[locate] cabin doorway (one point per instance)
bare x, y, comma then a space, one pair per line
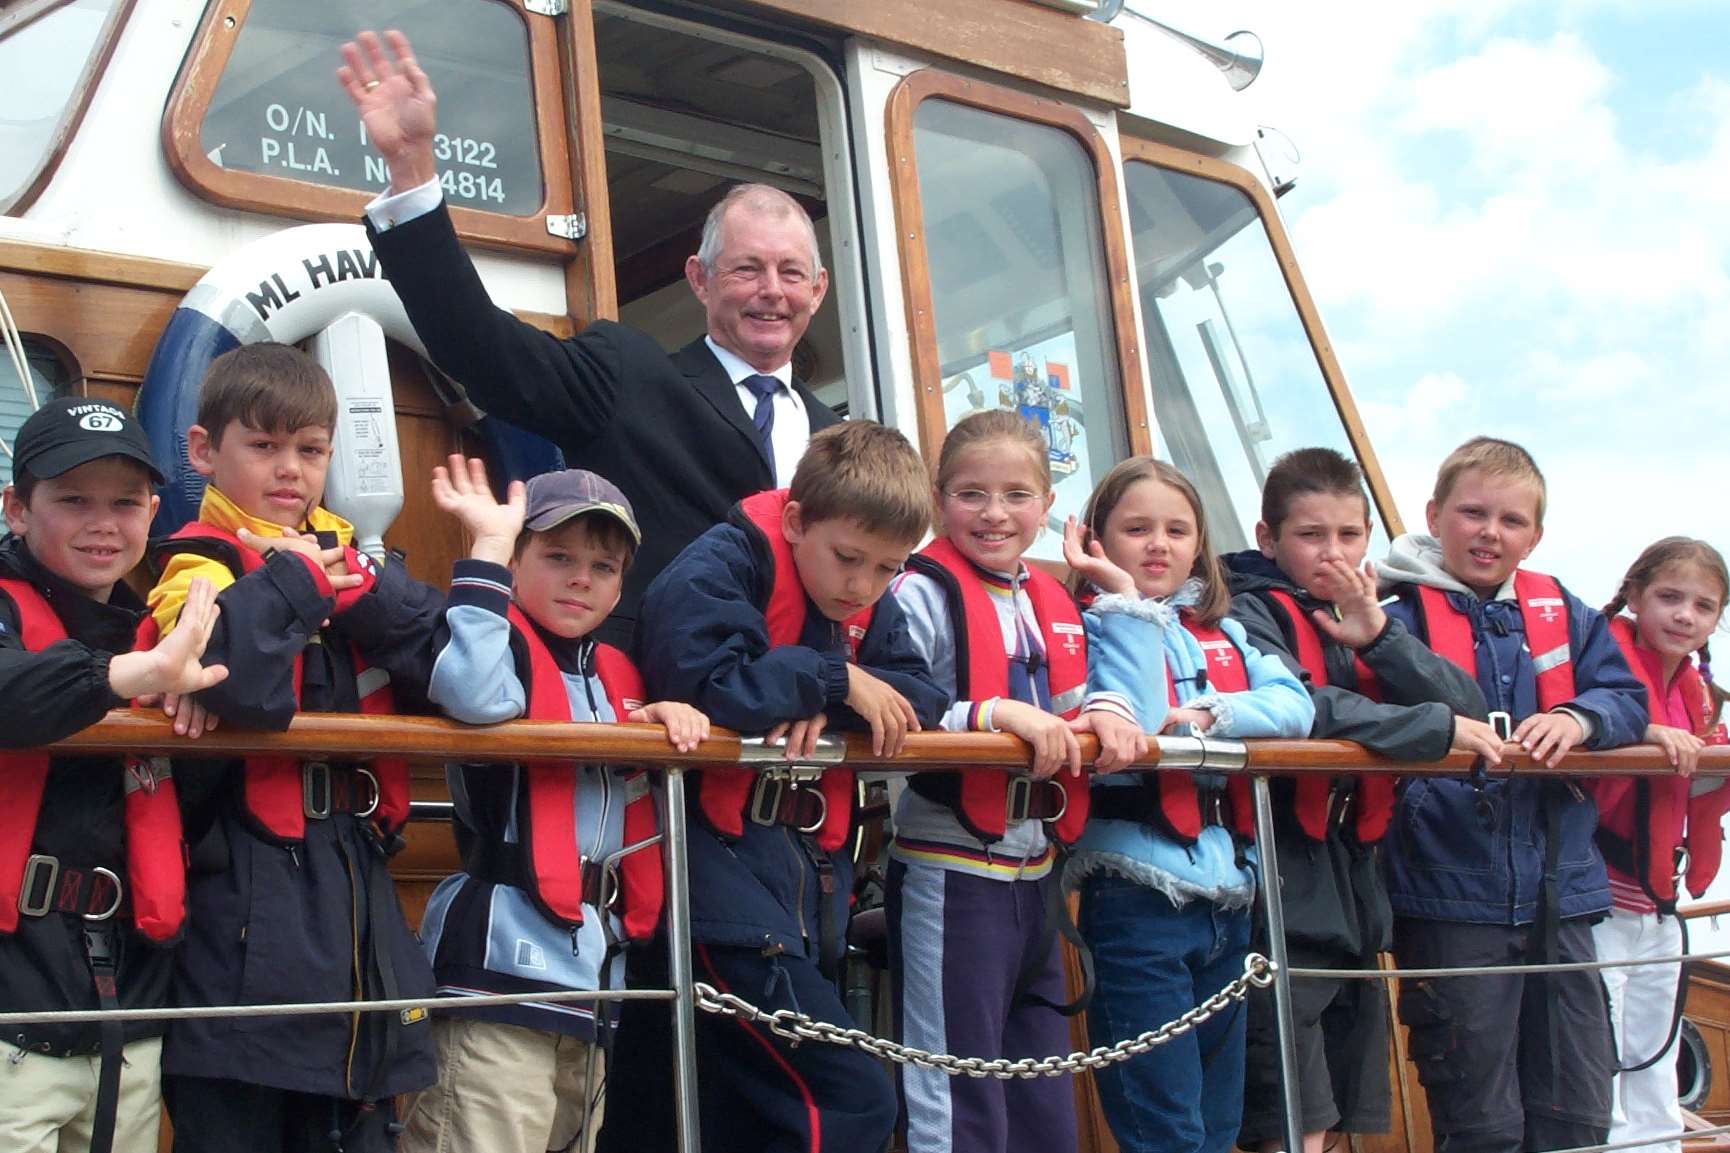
690, 108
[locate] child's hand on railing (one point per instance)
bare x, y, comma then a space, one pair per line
879, 705
1091, 562
461, 489
1547, 737
801, 736
1053, 741
1475, 736
1358, 618
687, 727
1121, 741
1680, 746
1199, 720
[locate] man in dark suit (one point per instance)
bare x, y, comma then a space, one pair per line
684, 436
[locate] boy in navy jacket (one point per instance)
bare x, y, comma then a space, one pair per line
1499, 872
92, 876
773, 621
290, 899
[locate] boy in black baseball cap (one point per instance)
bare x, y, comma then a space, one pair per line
91, 882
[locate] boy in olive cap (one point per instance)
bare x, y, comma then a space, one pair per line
92, 886
560, 866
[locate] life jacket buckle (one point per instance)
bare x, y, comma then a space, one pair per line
317, 798
119, 895
765, 808
1502, 724
41, 874
371, 805
1019, 799
816, 826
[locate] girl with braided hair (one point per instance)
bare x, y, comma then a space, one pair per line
1658, 832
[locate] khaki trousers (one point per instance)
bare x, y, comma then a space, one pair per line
504, 1089
47, 1104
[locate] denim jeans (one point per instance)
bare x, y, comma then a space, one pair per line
1152, 962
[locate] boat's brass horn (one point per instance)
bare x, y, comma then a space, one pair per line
1239, 55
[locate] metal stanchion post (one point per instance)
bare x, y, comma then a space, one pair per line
679, 963
1288, 1070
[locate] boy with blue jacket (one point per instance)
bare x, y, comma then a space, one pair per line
1500, 872
561, 861
773, 621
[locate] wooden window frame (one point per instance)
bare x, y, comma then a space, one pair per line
194, 88
904, 101
77, 104
1165, 156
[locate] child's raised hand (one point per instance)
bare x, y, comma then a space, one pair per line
173, 665
801, 736
1091, 562
1353, 592
1549, 736
889, 714
1121, 741
1053, 741
330, 560
1477, 737
686, 727
1681, 747
461, 489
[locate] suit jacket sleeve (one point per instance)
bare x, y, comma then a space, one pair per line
510, 368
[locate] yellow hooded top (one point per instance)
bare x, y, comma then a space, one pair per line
169, 595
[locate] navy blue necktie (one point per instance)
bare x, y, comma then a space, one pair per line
763, 416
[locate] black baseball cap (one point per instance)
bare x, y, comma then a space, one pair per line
68, 431
556, 497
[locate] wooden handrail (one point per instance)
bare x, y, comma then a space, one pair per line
1704, 909
146, 733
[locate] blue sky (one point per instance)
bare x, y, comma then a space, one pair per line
1516, 221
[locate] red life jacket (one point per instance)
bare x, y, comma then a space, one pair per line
724, 791
1543, 609
155, 854
1375, 792
1179, 796
555, 859
274, 792
982, 672
1644, 822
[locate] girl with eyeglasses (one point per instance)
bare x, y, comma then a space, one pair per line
973, 903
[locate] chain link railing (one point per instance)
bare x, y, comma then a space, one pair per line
1258, 973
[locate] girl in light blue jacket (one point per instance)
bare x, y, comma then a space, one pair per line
1165, 905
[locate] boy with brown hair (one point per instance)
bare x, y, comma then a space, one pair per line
290, 897
1304, 595
561, 861
92, 877
1497, 872
773, 622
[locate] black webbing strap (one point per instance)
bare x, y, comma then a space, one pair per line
829, 943
1057, 923
99, 947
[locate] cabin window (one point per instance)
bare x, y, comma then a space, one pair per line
279, 111
1235, 377
257, 121
1018, 287
48, 54
48, 376
690, 109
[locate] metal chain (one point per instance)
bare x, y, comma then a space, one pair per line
1258, 972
